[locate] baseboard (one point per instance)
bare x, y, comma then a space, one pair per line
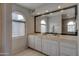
38, 51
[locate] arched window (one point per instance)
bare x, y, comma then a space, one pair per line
43, 26
43, 22
71, 26
18, 24
17, 16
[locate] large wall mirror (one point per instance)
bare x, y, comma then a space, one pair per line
62, 21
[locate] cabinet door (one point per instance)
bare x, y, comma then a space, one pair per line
38, 43
45, 46
52, 48
31, 42
67, 49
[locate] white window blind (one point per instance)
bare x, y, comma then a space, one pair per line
18, 25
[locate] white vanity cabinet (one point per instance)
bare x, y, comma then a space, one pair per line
31, 41
35, 42
54, 46
49, 47
68, 49
38, 43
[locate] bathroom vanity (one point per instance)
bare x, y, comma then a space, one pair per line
60, 27
54, 45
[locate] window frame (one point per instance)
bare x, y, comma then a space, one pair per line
20, 21
43, 24
68, 25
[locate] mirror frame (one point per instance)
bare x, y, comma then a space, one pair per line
74, 6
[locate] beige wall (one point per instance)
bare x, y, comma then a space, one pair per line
30, 25
0, 28
78, 28
6, 29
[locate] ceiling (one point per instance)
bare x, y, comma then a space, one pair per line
40, 8
31, 5
37, 5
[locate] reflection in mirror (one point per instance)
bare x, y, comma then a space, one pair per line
69, 22
61, 22
50, 23
43, 26
71, 26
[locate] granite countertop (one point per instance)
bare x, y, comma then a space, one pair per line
62, 38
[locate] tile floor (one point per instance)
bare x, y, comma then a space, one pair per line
29, 52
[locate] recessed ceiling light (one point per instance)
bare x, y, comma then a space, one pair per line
46, 11
59, 7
